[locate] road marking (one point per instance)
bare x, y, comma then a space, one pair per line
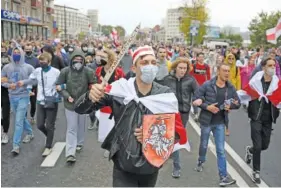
242, 163
230, 169
248, 170
51, 159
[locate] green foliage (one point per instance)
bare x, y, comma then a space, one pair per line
236, 39
81, 36
198, 11
106, 30
260, 24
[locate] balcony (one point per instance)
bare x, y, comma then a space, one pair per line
50, 10
36, 3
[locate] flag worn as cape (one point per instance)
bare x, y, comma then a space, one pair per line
254, 90
157, 104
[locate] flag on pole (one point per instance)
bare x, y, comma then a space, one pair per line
273, 33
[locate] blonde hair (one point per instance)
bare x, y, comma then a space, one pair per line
45, 56
111, 56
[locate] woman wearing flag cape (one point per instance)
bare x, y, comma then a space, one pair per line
264, 96
132, 102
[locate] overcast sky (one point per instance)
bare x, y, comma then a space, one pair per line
128, 13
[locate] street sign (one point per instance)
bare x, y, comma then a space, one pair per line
193, 30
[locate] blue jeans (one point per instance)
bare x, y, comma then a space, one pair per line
219, 135
19, 107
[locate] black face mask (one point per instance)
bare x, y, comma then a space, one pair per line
28, 53
118, 52
103, 62
44, 65
100, 47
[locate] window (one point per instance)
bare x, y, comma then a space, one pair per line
7, 5
16, 7
23, 10
33, 13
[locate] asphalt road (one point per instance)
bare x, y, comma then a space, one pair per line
91, 168
240, 137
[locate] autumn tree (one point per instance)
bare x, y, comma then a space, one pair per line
196, 11
260, 24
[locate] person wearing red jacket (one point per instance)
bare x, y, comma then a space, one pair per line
107, 58
201, 72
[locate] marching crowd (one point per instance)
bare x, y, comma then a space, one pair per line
208, 82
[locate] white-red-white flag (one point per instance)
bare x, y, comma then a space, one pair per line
273, 33
254, 90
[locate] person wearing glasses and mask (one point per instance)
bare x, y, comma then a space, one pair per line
78, 79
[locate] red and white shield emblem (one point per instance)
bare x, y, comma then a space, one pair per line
158, 138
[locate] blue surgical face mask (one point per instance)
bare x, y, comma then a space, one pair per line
148, 73
16, 57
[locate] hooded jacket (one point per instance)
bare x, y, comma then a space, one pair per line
235, 77
77, 82
16, 72
57, 62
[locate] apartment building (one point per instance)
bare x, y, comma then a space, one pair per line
30, 19
172, 24
93, 19
70, 22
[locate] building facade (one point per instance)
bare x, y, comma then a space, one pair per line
172, 25
26, 19
70, 22
94, 19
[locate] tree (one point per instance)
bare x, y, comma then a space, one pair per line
81, 36
260, 24
106, 29
236, 39
121, 31
197, 11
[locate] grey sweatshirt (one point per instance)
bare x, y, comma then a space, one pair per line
16, 72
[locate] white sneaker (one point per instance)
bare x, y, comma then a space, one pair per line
5, 138
28, 138
106, 154
47, 152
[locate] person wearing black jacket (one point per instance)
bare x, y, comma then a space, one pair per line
5, 102
262, 115
184, 87
57, 62
33, 61
131, 168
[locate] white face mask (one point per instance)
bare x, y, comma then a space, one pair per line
77, 66
85, 49
271, 71
148, 73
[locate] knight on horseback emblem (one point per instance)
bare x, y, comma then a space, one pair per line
158, 137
